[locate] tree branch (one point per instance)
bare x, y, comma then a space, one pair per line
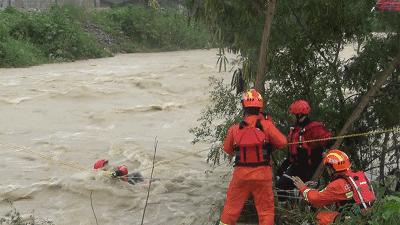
380, 80
262, 62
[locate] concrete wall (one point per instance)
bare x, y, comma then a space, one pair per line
44, 4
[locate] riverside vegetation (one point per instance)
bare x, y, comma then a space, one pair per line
304, 62
69, 33
305, 59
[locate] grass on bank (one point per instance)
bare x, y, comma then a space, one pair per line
70, 33
13, 217
145, 29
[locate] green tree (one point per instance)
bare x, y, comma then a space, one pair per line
305, 61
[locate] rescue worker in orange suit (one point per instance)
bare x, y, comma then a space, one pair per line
120, 172
345, 187
303, 158
250, 142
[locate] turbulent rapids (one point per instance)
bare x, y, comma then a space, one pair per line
107, 108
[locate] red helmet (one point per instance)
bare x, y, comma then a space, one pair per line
300, 107
100, 163
252, 98
338, 160
122, 170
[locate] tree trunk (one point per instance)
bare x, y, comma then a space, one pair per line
382, 77
382, 159
380, 80
397, 151
262, 62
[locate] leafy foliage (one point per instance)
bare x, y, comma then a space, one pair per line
15, 53
35, 37
327, 52
386, 211
217, 117
13, 217
236, 25
148, 29
61, 33
307, 60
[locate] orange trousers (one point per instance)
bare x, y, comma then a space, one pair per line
326, 217
245, 181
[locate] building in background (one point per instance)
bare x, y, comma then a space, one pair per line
45, 4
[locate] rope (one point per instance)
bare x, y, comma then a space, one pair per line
81, 168
91, 204
373, 132
151, 180
288, 196
47, 158
174, 160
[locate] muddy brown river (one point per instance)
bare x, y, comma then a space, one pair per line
57, 119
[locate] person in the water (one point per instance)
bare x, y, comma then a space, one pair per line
120, 172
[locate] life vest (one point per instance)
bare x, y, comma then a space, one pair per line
297, 134
251, 146
362, 190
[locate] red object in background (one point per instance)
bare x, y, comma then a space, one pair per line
123, 170
100, 163
300, 107
312, 131
388, 5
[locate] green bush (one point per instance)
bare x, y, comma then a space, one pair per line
385, 211
13, 217
62, 38
15, 53
3, 32
62, 33
55, 34
149, 29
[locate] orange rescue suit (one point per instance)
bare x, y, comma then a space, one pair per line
256, 181
337, 191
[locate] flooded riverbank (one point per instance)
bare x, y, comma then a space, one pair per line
108, 108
